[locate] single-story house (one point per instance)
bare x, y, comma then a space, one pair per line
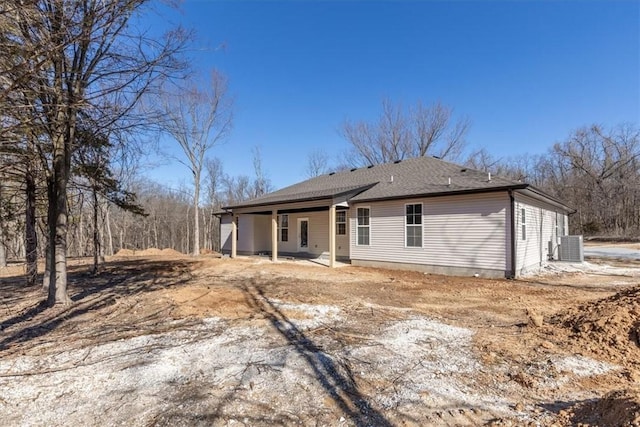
422, 214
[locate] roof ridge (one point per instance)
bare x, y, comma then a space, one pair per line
422, 175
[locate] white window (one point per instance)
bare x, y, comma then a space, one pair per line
413, 225
364, 229
341, 223
524, 223
284, 228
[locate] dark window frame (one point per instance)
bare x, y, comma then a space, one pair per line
284, 228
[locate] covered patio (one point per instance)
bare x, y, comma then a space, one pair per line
313, 226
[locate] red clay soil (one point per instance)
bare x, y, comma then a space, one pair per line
609, 327
620, 408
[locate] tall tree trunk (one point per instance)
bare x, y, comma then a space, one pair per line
46, 277
31, 236
78, 225
3, 248
196, 216
155, 233
58, 218
206, 233
185, 246
108, 227
96, 234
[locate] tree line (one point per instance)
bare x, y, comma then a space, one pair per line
80, 82
595, 169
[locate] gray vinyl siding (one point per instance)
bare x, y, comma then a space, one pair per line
318, 232
540, 223
262, 233
318, 238
246, 233
254, 234
225, 233
462, 231
252, 237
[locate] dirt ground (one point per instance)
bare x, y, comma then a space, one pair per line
163, 339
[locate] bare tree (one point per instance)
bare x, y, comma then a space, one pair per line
66, 56
214, 176
435, 133
399, 134
3, 249
523, 167
483, 160
236, 189
197, 119
261, 184
595, 170
598, 171
92, 167
317, 163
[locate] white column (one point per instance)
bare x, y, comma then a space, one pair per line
332, 236
274, 235
234, 237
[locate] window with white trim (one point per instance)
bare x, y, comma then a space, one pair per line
413, 225
284, 228
364, 228
341, 223
524, 223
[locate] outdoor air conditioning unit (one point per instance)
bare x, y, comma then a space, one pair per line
571, 249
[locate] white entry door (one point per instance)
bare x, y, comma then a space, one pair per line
303, 234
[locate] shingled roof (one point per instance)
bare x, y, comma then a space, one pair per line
418, 177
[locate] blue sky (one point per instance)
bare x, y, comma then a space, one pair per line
526, 73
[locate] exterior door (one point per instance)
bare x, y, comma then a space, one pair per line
303, 234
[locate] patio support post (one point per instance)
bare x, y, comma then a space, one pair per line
274, 235
234, 237
332, 236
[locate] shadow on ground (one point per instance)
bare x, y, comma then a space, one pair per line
89, 293
337, 381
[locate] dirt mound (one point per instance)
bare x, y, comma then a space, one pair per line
125, 252
608, 327
201, 301
619, 408
210, 252
149, 252
171, 252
